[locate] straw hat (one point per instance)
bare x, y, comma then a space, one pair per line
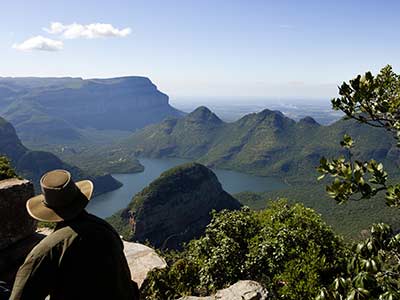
61, 198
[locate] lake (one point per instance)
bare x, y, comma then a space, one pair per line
232, 182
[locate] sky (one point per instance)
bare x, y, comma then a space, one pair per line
208, 48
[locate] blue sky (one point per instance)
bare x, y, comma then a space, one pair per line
188, 48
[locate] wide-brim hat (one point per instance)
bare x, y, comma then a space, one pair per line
61, 199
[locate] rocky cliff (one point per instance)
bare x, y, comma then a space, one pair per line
175, 208
57, 109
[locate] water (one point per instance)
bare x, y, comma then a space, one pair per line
232, 182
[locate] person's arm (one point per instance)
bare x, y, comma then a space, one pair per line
34, 279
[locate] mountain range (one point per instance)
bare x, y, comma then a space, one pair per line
265, 143
62, 110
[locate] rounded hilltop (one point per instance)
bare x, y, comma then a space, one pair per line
176, 207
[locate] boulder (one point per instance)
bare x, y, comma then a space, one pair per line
15, 223
241, 290
141, 260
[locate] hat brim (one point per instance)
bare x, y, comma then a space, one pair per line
39, 211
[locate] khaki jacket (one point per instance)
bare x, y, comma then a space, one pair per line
82, 259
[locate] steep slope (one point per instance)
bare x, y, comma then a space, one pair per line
265, 143
32, 164
56, 108
174, 208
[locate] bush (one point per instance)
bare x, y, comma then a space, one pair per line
289, 249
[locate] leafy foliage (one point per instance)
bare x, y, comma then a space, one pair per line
6, 170
366, 178
373, 270
287, 248
374, 101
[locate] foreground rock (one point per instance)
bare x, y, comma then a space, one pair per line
15, 223
17, 229
242, 290
141, 260
175, 208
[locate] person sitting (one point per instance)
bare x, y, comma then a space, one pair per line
83, 258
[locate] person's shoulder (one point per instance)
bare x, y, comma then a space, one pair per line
63, 236
100, 223
93, 227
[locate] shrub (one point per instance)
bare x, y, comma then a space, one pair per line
289, 249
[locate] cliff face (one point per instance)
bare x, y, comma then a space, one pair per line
176, 207
59, 107
33, 164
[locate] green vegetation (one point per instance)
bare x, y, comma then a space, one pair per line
6, 170
373, 271
174, 208
265, 143
351, 220
288, 248
373, 101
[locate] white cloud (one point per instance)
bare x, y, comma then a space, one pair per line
39, 43
89, 31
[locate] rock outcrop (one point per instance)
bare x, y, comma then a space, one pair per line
17, 228
141, 260
15, 223
175, 208
242, 290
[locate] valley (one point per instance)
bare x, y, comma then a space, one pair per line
257, 154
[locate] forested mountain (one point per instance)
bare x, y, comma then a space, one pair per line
58, 110
265, 143
174, 208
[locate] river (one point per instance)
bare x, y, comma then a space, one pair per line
232, 182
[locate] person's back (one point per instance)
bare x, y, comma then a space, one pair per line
82, 259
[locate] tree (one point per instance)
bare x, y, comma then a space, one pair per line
373, 270
374, 101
